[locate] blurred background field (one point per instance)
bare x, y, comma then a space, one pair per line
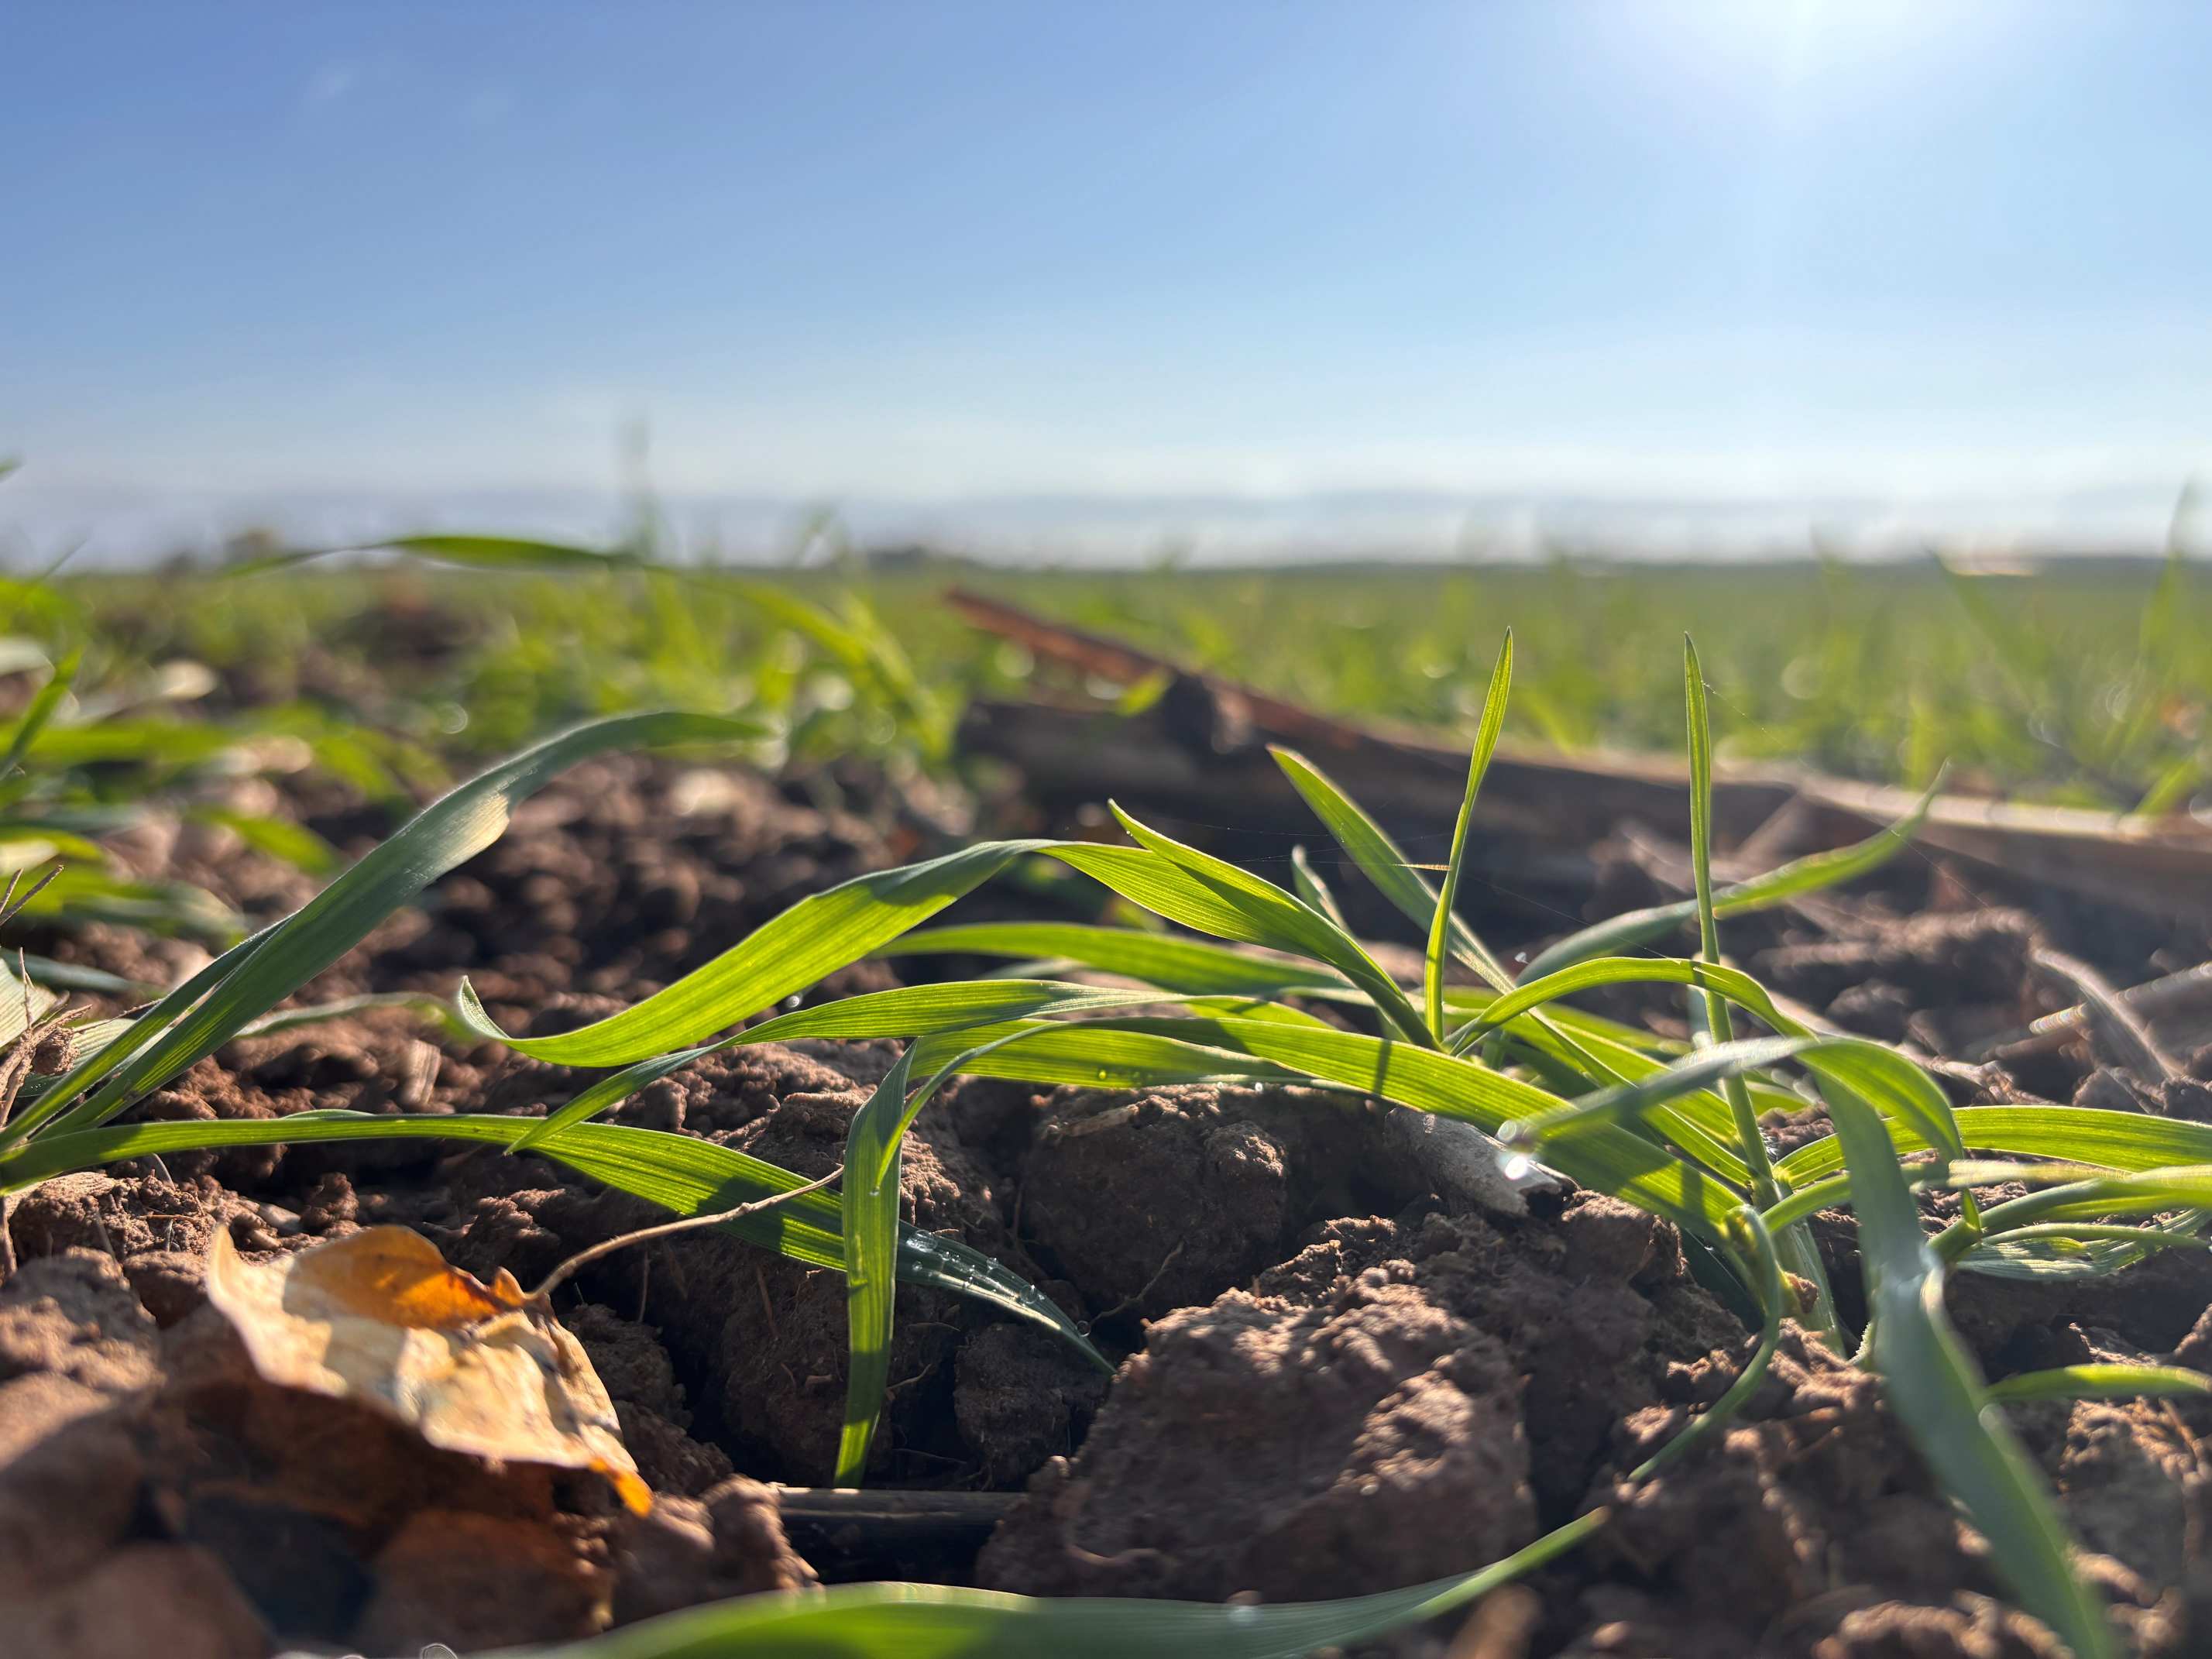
2083, 682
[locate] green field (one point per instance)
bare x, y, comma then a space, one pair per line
2083, 682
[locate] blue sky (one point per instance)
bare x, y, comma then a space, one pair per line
1041, 259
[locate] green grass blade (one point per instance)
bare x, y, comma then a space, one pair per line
278, 960
1737, 986
908, 1012
2101, 1382
102, 1060
814, 937
2089, 1195
91, 1039
1383, 862
1796, 1243
954, 1005
42, 710
1385, 865
1752, 1144
1486, 745
436, 1010
1312, 888
1192, 966
81, 894
1696, 1121
1899, 1086
1931, 1384
471, 552
681, 1173
2080, 1249
1809, 874
870, 1194
2117, 1141
939, 1622
1610, 1160
1100, 1054
77, 976
297, 845
1261, 913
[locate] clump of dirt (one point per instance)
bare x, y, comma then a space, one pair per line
760, 1340
157, 1229
629, 872
378, 1064
1021, 1397
1167, 1197
1813, 1528
1394, 1401
157, 1467
727, 1541
1941, 958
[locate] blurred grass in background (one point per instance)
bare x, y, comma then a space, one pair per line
2084, 681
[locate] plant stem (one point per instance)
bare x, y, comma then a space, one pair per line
607, 1247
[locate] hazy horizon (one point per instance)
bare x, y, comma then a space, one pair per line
112, 528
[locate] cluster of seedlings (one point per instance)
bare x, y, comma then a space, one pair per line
1231, 981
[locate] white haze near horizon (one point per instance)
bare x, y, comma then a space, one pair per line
123, 527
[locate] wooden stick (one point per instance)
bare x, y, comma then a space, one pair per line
2159, 868
891, 1505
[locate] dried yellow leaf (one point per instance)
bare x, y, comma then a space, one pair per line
380, 1317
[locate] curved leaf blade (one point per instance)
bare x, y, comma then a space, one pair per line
681, 1173
814, 937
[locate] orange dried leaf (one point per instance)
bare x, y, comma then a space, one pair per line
392, 1274
380, 1318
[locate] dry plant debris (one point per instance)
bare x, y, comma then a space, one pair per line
380, 1317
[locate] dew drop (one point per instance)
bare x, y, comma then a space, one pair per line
1513, 1166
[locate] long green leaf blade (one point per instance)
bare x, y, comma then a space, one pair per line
1195, 967
682, 1173
1932, 1386
1216, 896
909, 1011
870, 1195
1486, 745
2102, 1383
447, 833
1383, 862
41, 711
939, 1622
1809, 874
814, 937
1608, 1159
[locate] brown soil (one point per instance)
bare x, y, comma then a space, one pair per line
1329, 1384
